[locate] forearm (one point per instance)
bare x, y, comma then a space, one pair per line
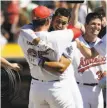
74, 18
14, 66
94, 53
54, 67
74, 14
59, 66
5, 63
87, 52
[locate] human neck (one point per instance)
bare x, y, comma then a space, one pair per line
90, 38
40, 29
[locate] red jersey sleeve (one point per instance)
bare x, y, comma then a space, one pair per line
77, 32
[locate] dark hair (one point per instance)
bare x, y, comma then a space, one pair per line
39, 22
100, 11
62, 12
92, 16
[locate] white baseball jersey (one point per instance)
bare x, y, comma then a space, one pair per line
64, 93
87, 69
69, 98
101, 46
32, 54
59, 39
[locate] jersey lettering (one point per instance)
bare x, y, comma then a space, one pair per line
35, 56
87, 63
69, 50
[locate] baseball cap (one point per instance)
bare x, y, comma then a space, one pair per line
41, 12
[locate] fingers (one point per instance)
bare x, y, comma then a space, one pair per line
20, 66
17, 67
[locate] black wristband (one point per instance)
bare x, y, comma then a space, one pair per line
43, 63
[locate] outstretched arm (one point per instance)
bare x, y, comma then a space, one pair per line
13, 66
87, 52
74, 18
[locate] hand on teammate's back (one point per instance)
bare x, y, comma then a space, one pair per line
15, 66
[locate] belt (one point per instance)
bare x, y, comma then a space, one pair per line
91, 84
43, 80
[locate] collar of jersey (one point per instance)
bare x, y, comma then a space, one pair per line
42, 33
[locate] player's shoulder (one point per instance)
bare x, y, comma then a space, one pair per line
63, 34
81, 38
62, 31
27, 26
98, 40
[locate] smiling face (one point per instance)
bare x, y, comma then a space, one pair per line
93, 28
60, 22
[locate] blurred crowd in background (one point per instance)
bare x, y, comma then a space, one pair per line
16, 13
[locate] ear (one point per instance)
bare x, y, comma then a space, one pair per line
33, 17
47, 22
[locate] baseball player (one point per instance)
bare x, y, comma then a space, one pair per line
99, 48
89, 71
60, 20
52, 90
52, 36
61, 14
51, 40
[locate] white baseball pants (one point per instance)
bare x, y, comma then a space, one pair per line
92, 96
50, 95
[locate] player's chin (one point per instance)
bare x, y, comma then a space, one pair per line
96, 32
